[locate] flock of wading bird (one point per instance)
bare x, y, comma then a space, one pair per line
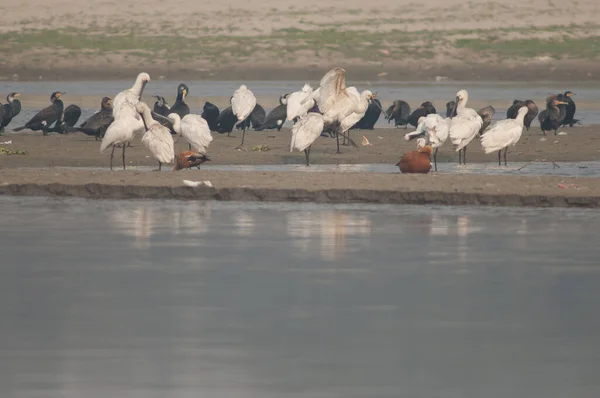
332, 109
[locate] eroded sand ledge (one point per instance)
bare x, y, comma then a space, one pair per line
439, 189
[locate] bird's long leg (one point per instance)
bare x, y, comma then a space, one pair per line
465, 155
435, 159
159, 165
307, 154
460, 156
337, 138
499, 152
112, 154
190, 146
243, 135
344, 139
124, 146
505, 151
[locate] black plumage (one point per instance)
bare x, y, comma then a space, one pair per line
45, 118
180, 107
425, 109
71, 115
226, 121
486, 114
532, 112
160, 106
210, 113
367, 122
450, 109
96, 124
275, 119
556, 111
69, 118
254, 120
10, 110
400, 112
571, 108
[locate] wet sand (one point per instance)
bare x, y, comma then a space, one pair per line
442, 189
388, 144
40, 173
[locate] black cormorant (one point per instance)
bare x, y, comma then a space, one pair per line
96, 124
254, 120
425, 109
400, 112
532, 112
210, 113
450, 109
571, 108
160, 106
69, 118
486, 114
10, 110
180, 107
275, 119
44, 119
371, 116
552, 118
226, 121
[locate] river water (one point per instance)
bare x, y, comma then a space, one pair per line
209, 299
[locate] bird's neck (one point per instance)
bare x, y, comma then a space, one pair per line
147, 116
521, 117
138, 87
176, 124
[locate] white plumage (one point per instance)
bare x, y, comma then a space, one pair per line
243, 102
127, 121
296, 104
465, 125
157, 138
333, 99
362, 103
433, 130
305, 132
503, 134
194, 129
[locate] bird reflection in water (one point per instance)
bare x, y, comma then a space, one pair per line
460, 226
244, 224
142, 221
331, 229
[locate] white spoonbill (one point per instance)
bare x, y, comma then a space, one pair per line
296, 104
334, 101
194, 129
127, 121
434, 131
243, 102
157, 138
305, 132
503, 134
362, 101
464, 126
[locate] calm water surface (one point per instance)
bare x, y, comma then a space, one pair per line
208, 299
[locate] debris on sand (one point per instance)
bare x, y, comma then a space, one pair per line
196, 184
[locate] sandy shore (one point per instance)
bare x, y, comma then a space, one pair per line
388, 144
47, 170
307, 187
